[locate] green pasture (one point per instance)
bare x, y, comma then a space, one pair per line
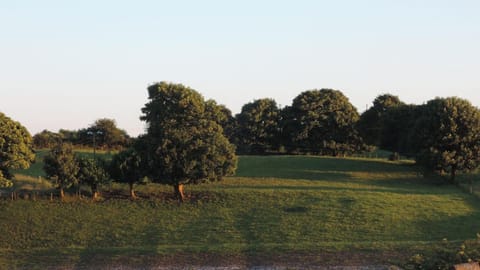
275, 207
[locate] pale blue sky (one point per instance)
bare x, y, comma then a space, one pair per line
64, 64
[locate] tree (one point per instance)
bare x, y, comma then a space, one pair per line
223, 116
92, 173
16, 151
370, 124
322, 121
258, 126
447, 135
397, 129
127, 167
61, 167
69, 136
46, 139
184, 145
111, 136
107, 135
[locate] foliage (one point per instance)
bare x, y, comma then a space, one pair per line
322, 122
61, 166
447, 136
128, 167
70, 136
223, 116
92, 172
185, 146
109, 135
370, 124
397, 130
46, 139
445, 255
258, 126
15, 148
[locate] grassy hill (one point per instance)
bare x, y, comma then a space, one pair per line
276, 209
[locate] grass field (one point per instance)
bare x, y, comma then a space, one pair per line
276, 209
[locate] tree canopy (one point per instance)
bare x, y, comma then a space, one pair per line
223, 116
258, 126
16, 151
92, 172
46, 139
371, 122
185, 145
110, 135
447, 136
128, 167
322, 121
60, 166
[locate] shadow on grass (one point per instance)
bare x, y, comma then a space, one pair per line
312, 167
418, 186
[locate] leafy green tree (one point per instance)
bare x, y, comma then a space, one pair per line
92, 173
69, 136
185, 146
60, 166
447, 135
107, 135
15, 149
258, 126
223, 116
370, 124
397, 129
323, 122
46, 139
127, 167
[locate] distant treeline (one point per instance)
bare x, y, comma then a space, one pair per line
443, 134
190, 140
104, 133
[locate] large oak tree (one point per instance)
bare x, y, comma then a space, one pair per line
447, 136
185, 145
258, 126
323, 122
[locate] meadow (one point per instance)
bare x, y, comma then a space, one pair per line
275, 210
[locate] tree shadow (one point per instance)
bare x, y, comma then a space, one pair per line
401, 185
310, 167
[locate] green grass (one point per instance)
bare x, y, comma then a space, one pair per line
276, 206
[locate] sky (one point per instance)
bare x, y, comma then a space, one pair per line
64, 64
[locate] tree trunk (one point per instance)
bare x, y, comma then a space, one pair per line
453, 174
471, 185
178, 191
132, 191
95, 193
62, 193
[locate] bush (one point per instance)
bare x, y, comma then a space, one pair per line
445, 255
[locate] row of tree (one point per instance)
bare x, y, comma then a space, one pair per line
318, 122
189, 140
64, 168
103, 133
184, 144
442, 135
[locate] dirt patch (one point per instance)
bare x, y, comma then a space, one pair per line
294, 261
